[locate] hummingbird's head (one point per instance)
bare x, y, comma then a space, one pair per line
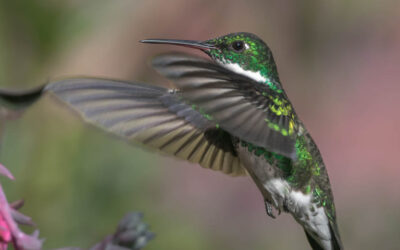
242, 50
243, 53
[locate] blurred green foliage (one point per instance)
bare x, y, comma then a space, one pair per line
75, 196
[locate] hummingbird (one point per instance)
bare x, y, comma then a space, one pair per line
228, 112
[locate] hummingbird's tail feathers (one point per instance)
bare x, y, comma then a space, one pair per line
152, 115
333, 244
336, 241
19, 100
313, 243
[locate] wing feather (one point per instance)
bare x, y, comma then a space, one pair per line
246, 109
154, 116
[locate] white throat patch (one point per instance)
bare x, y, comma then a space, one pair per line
256, 76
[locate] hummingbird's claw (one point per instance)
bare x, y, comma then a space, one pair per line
285, 206
269, 209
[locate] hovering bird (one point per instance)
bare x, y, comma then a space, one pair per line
229, 114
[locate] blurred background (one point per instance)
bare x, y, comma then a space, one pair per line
338, 61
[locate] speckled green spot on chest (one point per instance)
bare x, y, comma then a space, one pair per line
276, 160
304, 167
321, 199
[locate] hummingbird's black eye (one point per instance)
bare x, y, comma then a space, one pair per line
238, 46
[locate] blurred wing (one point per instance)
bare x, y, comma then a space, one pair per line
152, 115
19, 99
14, 103
242, 107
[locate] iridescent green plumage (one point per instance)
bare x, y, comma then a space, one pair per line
230, 114
306, 171
257, 57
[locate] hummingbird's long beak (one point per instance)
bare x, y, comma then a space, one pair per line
185, 43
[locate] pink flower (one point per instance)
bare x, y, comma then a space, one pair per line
5, 234
9, 217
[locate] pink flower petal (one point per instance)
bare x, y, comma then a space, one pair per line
4, 171
9, 230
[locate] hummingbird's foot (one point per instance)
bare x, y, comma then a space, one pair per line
285, 207
269, 209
